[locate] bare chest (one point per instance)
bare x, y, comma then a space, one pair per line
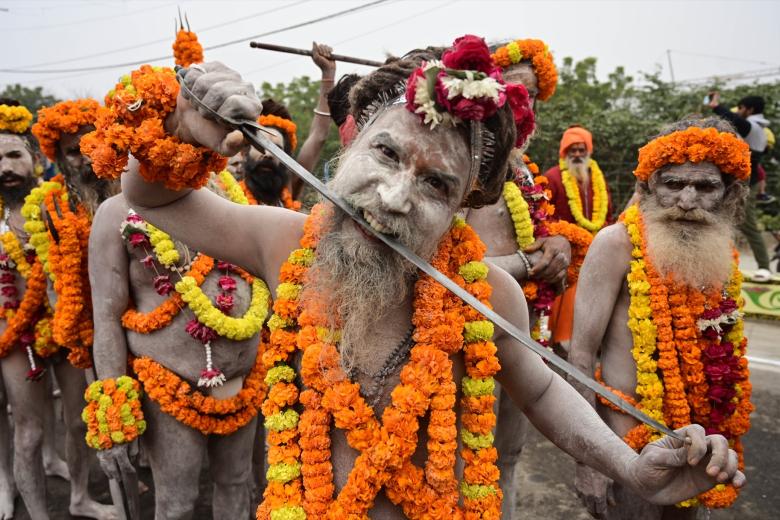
494, 226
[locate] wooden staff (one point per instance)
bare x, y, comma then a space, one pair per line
303, 52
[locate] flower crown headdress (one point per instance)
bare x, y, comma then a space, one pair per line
66, 117
15, 119
536, 52
463, 87
695, 144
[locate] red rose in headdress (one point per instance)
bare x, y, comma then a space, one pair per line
468, 52
520, 103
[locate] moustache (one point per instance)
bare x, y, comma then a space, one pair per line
11, 176
697, 215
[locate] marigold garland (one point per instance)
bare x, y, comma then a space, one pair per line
285, 125
726, 150
72, 326
441, 323
203, 413
34, 225
132, 122
162, 315
600, 197
187, 50
537, 52
699, 373
15, 119
188, 291
13, 248
28, 314
65, 117
113, 413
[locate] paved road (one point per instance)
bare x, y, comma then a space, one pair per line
546, 473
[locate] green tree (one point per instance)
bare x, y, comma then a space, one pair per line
33, 98
624, 114
300, 96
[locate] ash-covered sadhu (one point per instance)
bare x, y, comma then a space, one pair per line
662, 288
380, 347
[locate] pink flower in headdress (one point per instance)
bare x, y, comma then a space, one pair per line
521, 109
468, 52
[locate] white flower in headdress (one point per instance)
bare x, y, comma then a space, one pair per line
425, 105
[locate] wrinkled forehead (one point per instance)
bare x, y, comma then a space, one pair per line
274, 134
68, 141
522, 73
443, 148
12, 142
690, 173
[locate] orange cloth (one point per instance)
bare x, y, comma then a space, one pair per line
574, 135
562, 315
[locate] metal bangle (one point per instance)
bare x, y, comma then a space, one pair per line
525, 260
321, 113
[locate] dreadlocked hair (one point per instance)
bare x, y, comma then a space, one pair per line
338, 98
387, 81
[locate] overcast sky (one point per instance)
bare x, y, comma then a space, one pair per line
705, 38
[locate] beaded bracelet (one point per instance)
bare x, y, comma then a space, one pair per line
113, 413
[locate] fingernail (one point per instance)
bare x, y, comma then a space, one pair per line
714, 470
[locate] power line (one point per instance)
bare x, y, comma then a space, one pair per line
760, 62
748, 74
212, 47
87, 20
162, 40
357, 36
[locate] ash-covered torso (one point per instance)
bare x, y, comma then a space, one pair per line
172, 346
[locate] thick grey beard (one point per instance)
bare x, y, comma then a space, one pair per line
579, 170
695, 253
87, 187
360, 284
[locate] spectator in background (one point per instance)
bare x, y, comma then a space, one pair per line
749, 121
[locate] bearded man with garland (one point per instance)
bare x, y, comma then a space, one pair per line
27, 336
659, 297
525, 240
364, 321
581, 196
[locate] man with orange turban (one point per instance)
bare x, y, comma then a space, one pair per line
581, 196
579, 191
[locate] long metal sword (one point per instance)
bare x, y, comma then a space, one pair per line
254, 134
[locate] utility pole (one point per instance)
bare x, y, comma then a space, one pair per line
669, 58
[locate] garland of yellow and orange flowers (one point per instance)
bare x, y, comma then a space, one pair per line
209, 321
531, 223
28, 320
300, 475
600, 197
66, 261
678, 335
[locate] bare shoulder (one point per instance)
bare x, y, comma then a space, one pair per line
110, 213
613, 240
